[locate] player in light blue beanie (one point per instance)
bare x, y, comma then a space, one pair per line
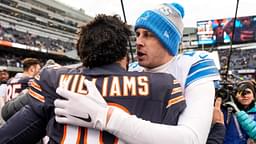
166, 24
158, 37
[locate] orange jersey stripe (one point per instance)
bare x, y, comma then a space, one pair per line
175, 100
37, 77
79, 135
36, 95
116, 140
85, 135
101, 138
36, 86
176, 90
64, 134
119, 106
175, 82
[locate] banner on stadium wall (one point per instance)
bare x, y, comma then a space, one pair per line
5, 43
220, 31
26, 47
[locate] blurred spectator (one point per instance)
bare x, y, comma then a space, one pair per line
4, 76
240, 115
21, 81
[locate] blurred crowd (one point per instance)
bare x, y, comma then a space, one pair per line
10, 60
10, 33
240, 59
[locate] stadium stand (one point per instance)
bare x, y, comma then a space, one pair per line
45, 29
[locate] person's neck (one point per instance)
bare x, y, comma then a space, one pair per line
28, 74
123, 63
160, 68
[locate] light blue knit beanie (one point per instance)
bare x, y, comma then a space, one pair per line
166, 23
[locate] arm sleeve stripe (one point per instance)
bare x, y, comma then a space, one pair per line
119, 106
176, 82
212, 71
64, 134
133, 65
201, 64
36, 95
37, 77
176, 90
175, 101
36, 86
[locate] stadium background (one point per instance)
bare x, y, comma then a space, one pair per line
47, 29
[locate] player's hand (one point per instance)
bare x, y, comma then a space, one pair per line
82, 110
217, 113
233, 105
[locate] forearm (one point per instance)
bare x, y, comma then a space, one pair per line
193, 126
134, 130
199, 111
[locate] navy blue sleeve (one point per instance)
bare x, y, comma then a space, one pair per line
25, 127
216, 135
175, 103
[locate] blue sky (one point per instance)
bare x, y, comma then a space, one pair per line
195, 10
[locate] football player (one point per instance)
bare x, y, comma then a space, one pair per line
21, 81
159, 33
102, 48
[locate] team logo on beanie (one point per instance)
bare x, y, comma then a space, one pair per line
171, 14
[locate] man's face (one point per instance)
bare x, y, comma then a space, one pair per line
35, 69
4, 75
150, 52
245, 97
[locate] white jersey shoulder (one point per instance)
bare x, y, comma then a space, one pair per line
134, 66
194, 66
188, 67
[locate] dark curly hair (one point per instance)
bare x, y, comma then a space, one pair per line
103, 41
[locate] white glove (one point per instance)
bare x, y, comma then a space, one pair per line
81, 110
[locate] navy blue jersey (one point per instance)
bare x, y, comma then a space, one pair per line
16, 85
154, 97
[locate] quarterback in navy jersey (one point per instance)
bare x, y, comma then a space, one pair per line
154, 97
16, 85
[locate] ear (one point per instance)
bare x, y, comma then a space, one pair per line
32, 69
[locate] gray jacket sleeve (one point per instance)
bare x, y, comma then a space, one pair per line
14, 105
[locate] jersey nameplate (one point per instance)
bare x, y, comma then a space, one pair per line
110, 86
